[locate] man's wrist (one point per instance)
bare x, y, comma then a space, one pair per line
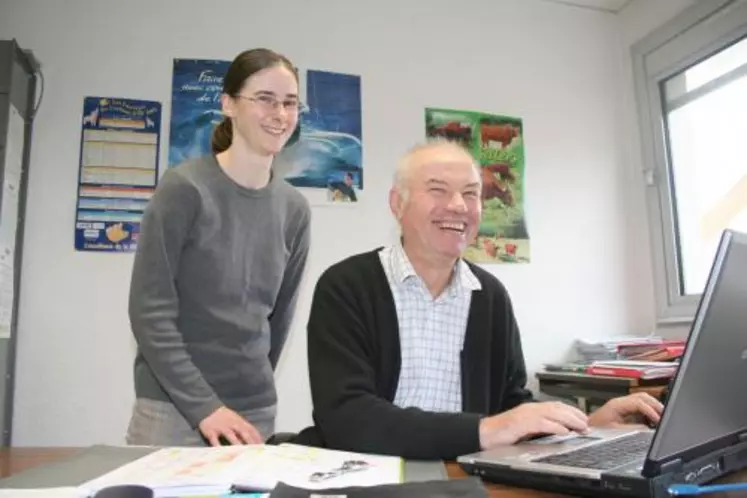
482, 432
493, 429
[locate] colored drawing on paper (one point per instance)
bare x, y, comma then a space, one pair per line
497, 143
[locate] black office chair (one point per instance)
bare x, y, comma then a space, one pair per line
281, 437
309, 436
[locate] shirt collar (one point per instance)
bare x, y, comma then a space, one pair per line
402, 269
463, 279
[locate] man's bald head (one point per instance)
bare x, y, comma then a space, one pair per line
434, 150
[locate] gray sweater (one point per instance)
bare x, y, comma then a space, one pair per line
214, 285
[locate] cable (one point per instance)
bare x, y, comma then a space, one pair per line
694, 489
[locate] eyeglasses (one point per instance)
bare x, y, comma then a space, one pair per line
271, 103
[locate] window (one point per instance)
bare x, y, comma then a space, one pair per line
705, 125
691, 85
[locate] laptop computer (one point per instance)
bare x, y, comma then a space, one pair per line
703, 431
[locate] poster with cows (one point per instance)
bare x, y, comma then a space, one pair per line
497, 144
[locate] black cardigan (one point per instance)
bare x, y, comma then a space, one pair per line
354, 362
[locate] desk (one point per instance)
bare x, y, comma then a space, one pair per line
15, 460
499, 491
589, 391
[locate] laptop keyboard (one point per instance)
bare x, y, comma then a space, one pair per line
604, 456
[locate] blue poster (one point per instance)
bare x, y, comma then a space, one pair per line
325, 154
328, 154
118, 171
195, 107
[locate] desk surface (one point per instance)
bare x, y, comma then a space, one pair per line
601, 380
15, 460
498, 491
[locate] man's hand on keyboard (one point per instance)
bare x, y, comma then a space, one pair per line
627, 409
529, 419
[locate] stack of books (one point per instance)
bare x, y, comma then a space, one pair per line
644, 370
651, 348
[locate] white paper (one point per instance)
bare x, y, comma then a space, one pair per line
294, 464
119, 157
189, 471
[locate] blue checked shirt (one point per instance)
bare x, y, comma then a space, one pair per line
431, 333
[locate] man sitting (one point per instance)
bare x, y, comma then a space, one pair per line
414, 351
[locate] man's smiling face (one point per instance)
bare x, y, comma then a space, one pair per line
440, 210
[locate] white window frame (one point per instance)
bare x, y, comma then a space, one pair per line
694, 35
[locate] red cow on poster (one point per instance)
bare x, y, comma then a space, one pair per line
502, 133
496, 178
453, 130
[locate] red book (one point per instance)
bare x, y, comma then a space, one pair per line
633, 370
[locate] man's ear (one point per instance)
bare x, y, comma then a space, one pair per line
395, 202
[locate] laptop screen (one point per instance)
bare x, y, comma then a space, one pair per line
707, 405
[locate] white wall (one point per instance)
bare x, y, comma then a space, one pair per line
635, 21
560, 68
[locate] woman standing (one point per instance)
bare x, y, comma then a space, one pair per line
222, 249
